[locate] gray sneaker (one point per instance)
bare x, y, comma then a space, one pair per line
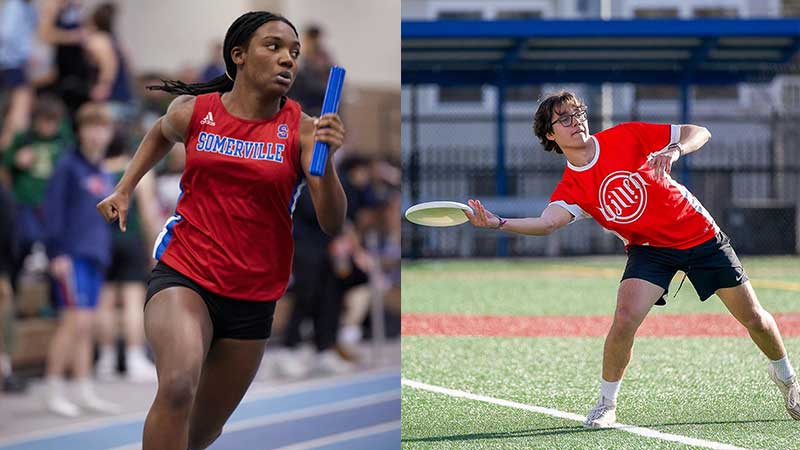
603, 415
791, 392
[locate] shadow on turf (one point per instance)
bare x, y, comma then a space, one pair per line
501, 435
715, 422
571, 430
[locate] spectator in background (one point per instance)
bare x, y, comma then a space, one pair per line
370, 251
61, 25
152, 104
30, 161
215, 65
9, 382
126, 278
168, 179
391, 250
17, 32
112, 83
317, 295
352, 265
312, 77
79, 246
362, 197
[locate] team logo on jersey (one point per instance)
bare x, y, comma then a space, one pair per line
623, 197
208, 120
283, 131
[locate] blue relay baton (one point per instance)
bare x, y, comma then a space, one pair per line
330, 104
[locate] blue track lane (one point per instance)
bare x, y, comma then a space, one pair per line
387, 440
268, 407
305, 429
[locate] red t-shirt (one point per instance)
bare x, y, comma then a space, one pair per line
232, 231
620, 191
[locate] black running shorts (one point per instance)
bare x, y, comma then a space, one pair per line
129, 261
709, 266
232, 318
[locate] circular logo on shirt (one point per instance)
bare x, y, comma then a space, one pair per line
623, 197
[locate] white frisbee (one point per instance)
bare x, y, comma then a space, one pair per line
438, 214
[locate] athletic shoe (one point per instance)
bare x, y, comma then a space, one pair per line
603, 415
791, 392
94, 403
106, 367
329, 362
87, 398
60, 405
348, 353
139, 369
13, 384
291, 363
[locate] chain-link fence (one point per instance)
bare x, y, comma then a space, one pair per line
747, 176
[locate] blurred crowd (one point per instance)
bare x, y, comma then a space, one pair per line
72, 111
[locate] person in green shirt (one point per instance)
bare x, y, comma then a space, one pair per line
30, 161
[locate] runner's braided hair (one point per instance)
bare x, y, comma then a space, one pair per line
238, 34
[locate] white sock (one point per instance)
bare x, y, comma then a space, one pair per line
55, 386
85, 387
108, 351
783, 369
136, 351
609, 389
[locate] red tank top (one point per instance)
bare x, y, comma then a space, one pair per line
232, 228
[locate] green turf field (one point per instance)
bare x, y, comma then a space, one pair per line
715, 389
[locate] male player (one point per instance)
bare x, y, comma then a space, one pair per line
621, 178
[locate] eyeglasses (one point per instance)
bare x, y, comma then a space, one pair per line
566, 119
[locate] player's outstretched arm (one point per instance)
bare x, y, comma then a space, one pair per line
553, 217
167, 130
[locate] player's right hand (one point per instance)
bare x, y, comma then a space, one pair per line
480, 217
114, 207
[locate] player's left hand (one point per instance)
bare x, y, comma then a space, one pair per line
661, 161
330, 130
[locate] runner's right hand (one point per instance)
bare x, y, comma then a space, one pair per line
114, 207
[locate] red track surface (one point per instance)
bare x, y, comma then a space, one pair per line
654, 325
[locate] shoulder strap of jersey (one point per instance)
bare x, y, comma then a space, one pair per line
200, 114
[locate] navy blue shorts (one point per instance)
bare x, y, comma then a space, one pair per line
231, 318
13, 78
709, 266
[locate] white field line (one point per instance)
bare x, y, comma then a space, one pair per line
646, 432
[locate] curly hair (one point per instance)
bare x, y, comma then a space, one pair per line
542, 120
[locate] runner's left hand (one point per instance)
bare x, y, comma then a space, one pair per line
330, 130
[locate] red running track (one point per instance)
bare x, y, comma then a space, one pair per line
654, 325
